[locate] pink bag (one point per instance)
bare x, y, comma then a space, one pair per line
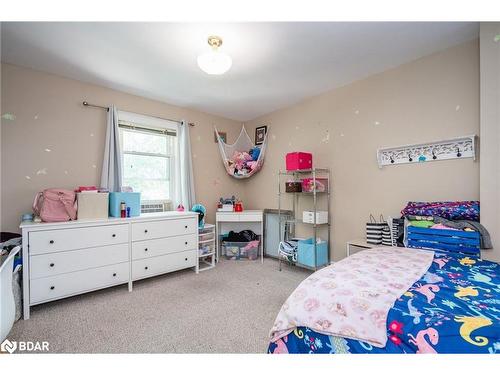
54, 205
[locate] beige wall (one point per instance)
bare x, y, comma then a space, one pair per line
433, 98
49, 114
490, 134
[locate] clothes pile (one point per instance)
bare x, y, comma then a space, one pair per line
288, 250
242, 163
243, 236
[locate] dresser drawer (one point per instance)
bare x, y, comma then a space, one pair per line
158, 229
163, 246
143, 268
52, 264
65, 285
78, 238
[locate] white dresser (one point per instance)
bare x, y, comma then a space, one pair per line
74, 257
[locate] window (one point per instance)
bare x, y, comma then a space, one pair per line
149, 155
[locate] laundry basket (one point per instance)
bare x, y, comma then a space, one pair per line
8, 306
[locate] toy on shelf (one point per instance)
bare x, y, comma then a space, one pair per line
201, 210
226, 204
238, 206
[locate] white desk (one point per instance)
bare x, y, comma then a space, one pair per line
238, 221
354, 246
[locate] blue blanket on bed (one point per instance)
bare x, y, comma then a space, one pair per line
453, 308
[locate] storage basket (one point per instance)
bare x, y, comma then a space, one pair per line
321, 185
132, 200
305, 253
293, 187
298, 161
456, 241
240, 250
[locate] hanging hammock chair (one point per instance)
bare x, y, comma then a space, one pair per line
243, 158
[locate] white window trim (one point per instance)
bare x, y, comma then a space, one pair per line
154, 123
148, 121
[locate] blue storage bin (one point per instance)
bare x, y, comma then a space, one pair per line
305, 253
132, 200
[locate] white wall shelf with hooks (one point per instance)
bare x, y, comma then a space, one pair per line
453, 148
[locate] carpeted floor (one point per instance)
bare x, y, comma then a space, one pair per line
229, 309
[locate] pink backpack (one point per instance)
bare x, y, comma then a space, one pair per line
54, 205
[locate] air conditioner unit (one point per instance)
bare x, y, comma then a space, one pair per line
157, 206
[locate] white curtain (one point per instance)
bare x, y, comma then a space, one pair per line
185, 194
111, 177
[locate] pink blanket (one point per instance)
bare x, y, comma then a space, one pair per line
352, 298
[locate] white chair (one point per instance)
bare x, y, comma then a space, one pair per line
7, 304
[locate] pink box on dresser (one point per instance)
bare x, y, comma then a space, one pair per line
298, 161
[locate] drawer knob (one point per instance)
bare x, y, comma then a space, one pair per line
186, 259
145, 231
51, 241
185, 227
146, 267
114, 235
52, 264
52, 287
114, 274
146, 249
186, 243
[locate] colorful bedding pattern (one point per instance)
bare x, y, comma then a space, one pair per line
353, 297
466, 210
453, 308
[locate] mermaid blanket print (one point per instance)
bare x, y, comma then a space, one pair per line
453, 306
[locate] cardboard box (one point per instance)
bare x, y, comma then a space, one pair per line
321, 217
92, 205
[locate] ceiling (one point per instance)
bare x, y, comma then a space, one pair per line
274, 64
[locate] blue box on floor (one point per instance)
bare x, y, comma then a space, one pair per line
305, 253
132, 200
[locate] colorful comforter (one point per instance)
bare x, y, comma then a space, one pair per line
353, 297
466, 210
453, 308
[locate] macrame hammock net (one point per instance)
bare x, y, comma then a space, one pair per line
243, 158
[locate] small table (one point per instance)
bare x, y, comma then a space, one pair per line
355, 246
238, 221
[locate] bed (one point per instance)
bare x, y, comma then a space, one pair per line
454, 307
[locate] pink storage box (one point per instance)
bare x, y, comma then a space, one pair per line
298, 161
308, 185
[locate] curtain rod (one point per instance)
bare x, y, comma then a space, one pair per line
87, 104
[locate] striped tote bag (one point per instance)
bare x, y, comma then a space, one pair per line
374, 230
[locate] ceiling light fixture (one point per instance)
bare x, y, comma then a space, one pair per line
215, 62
